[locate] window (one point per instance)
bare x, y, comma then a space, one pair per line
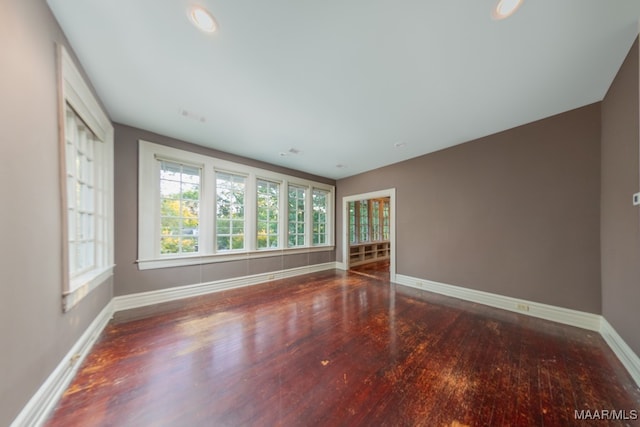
320, 218
230, 219
375, 221
368, 221
81, 156
86, 154
353, 237
297, 198
385, 220
179, 208
364, 221
268, 199
195, 209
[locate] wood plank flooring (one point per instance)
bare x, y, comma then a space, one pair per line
341, 349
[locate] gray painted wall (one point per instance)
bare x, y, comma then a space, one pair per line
34, 333
128, 279
516, 213
620, 232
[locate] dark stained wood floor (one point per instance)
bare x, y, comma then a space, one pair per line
341, 349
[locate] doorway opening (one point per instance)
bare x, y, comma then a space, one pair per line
369, 234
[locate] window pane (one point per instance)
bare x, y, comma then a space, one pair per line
179, 208
189, 244
268, 195
223, 243
230, 195
297, 196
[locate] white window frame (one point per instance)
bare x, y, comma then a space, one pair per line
307, 211
148, 209
328, 225
279, 220
75, 93
244, 220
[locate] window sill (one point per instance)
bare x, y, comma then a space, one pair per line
87, 283
150, 264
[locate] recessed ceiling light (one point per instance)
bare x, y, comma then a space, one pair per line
191, 115
505, 8
341, 166
202, 19
400, 144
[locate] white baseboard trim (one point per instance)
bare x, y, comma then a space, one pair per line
566, 316
629, 359
45, 399
143, 299
341, 266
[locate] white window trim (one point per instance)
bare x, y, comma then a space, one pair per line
148, 210
73, 90
282, 207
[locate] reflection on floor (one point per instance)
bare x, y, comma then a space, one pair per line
376, 270
341, 348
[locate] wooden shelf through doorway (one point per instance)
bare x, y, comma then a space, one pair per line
363, 253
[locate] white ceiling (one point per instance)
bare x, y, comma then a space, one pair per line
344, 80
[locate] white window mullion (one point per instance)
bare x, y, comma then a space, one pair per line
308, 217
330, 214
250, 210
156, 221
207, 209
283, 238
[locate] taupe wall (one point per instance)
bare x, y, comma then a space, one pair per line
515, 213
34, 333
128, 279
620, 224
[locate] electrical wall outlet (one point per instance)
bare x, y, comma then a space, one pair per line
636, 199
272, 276
522, 307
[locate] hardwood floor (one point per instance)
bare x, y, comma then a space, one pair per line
376, 270
341, 348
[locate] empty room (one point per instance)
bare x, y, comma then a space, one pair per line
364, 213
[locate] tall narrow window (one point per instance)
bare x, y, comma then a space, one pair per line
320, 220
385, 220
375, 221
268, 196
179, 208
230, 219
86, 171
353, 233
297, 196
364, 220
81, 152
